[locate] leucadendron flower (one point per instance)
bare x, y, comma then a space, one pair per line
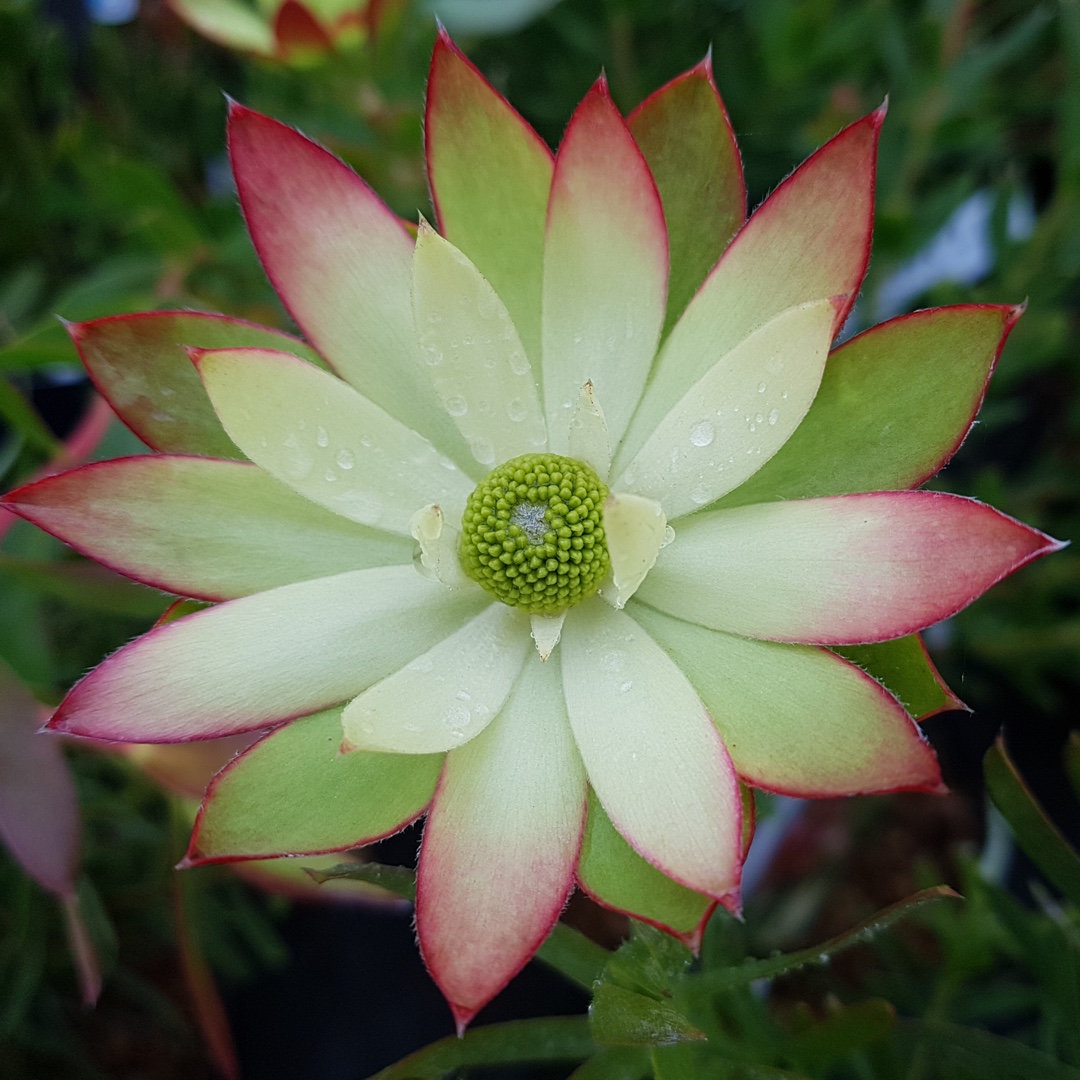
664, 539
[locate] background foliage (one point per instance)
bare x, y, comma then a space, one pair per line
115, 196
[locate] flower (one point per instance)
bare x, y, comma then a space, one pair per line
284, 30
582, 364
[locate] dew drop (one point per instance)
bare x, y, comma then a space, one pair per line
624, 688
456, 717
322, 436
162, 417
669, 535
761, 388
613, 661
421, 664
433, 355
482, 450
516, 410
366, 442
759, 419
519, 362
486, 303
457, 406
463, 695
699, 494
702, 433
302, 425
330, 475
774, 415
346, 459
167, 391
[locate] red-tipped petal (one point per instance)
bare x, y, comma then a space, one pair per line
839, 570
500, 843
605, 270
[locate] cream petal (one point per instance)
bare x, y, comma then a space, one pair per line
439, 543
652, 754
589, 440
472, 354
635, 530
446, 696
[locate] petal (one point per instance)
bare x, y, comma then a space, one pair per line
904, 668
316, 434
447, 695
895, 404
546, 631
636, 530
472, 354
490, 175
615, 875
262, 659
439, 546
841, 570
139, 363
589, 440
737, 415
605, 269
340, 261
799, 719
199, 527
39, 810
500, 843
298, 34
652, 754
809, 239
227, 22
685, 134
293, 793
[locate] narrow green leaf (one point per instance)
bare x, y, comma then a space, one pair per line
615, 1063
399, 880
572, 954
559, 1038
988, 1056
769, 968
1034, 831
846, 1030
22, 417
621, 1017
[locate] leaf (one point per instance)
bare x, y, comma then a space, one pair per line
615, 1063
560, 1038
988, 1056
621, 1017
399, 880
1034, 831
751, 970
649, 962
844, 1031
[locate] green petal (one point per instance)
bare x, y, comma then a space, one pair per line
140, 364
199, 527
895, 404
905, 669
490, 174
293, 793
798, 719
686, 137
228, 23
614, 874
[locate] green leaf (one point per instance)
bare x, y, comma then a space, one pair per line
615, 1063
1034, 831
649, 962
560, 1038
750, 971
687, 140
893, 406
611, 871
23, 418
399, 880
621, 1017
989, 1057
572, 954
844, 1031
905, 669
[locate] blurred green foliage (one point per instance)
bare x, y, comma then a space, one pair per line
115, 196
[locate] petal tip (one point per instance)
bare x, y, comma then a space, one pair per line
1013, 314
877, 117
463, 1017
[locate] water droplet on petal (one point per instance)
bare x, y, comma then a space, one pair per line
456, 717
519, 362
346, 459
322, 436
702, 433
613, 661
366, 442
482, 450
625, 687
761, 388
463, 695
774, 415
699, 494
516, 410
330, 475
457, 406
759, 419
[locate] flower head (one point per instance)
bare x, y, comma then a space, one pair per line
665, 536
